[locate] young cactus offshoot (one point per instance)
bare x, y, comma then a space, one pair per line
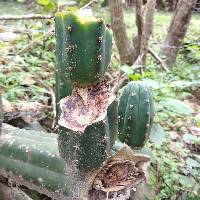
136, 113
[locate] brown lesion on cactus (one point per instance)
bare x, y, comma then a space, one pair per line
85, 106
118, 175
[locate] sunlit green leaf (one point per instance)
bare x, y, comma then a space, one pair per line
192, 163
176, 106
186, 181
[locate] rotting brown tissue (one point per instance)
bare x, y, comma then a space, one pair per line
118, 175
85, 106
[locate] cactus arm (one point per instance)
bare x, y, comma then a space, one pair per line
83, 48
136, 113
34, 159
86, 151
83, 52
122, 109
112, 117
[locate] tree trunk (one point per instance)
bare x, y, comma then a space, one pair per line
177, 30
129, 50
148, 27
124, 45
174, 4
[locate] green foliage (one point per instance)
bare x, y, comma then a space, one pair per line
48, 5
157, 135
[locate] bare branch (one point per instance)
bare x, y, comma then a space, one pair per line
158, 59
123, 79
120, 84
148, 26
88, 4
25, 17
124, 45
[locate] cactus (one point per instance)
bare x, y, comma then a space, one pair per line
75, 162
136, 113
83, 52
83, 48
33, 159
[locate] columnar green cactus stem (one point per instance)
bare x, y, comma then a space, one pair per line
83, 48
83, 52
34, 161
136, 113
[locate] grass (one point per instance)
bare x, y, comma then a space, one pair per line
175, 166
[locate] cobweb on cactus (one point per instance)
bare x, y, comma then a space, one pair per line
85, 106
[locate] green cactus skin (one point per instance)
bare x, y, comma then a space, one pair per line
83, 49
33, 156
92, 147
88, 150
136, 113
112, 117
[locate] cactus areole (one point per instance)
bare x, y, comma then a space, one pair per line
136, 113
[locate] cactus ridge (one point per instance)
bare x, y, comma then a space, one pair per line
135, 114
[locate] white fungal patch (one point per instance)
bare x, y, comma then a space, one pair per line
6, 139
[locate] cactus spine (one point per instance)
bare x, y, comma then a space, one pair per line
136, 113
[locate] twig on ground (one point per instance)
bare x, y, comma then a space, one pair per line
122, 80
25, 17
120, 84
39, 39
150, 51
88, 4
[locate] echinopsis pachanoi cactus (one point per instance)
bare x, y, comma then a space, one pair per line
85, 138
136, 112
83, 52
30, 158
